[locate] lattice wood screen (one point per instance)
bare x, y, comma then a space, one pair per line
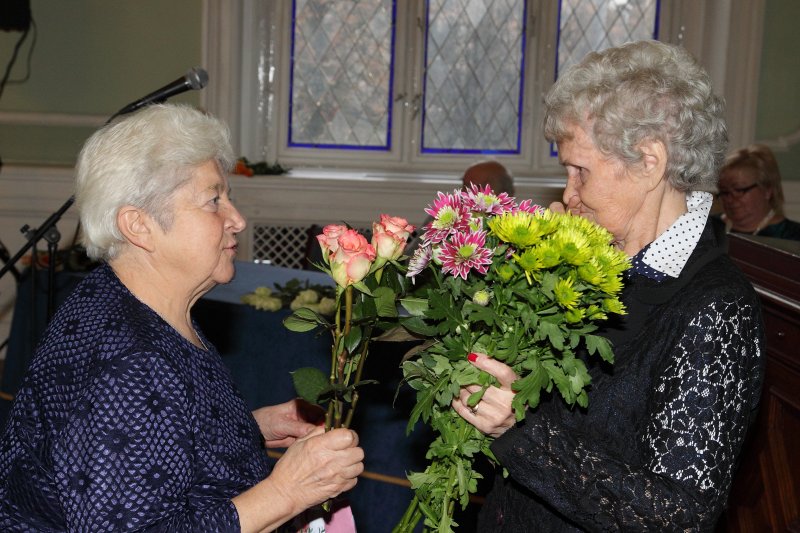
280, 245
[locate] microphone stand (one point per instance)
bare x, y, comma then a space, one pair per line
50, 233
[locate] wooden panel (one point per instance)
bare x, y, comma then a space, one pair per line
766, 490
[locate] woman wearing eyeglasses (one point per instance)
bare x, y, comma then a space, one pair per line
752, 196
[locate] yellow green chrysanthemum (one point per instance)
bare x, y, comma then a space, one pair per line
573, 315
611, 285
505, 271
590, 273
548, 254
613, 305
565, 293
596, 235
528, 260
595, 313
522, 229
573, 247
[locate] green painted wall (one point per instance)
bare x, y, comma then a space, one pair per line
93, 57
778, 111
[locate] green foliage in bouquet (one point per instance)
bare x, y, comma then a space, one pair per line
523, 284
369, 281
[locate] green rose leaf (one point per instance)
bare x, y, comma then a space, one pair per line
385, 302
417, 325
303, 319
310, 383
352, 339
414, 306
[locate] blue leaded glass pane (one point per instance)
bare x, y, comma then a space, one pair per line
473, 83
593, 25
341, 74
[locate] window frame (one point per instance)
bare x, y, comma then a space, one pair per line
228, 26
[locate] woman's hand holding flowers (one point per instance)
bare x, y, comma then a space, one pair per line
320, 466
493, 415
316, 468
282, 424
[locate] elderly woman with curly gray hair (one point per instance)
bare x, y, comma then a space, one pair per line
127, 418
641, 136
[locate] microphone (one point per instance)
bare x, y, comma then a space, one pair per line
195, 79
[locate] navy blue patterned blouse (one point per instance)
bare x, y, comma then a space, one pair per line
123, 424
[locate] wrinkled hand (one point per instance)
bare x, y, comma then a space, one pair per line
284, 423
557, 207
493, 415
318, 467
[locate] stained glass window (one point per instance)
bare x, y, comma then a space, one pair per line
463, 87
473, 84
593, 25
341, 74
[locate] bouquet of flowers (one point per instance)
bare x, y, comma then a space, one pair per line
368, 284
523, 284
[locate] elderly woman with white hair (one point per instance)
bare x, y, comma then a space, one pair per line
641, 136
127, 418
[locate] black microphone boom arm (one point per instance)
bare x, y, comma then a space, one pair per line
196, 78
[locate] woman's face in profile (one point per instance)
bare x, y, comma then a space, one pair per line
599, 187
201, 243
744, 201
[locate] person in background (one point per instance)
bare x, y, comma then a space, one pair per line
490, 173
127, 418
641, 136
752, 196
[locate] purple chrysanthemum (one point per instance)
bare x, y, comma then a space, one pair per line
464, 252
450, 215
420, 259
483, 200
528, 206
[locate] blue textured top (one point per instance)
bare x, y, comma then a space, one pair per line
123, 424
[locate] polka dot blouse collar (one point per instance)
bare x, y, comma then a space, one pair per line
670, 251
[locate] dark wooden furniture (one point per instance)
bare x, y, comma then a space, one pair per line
766, 490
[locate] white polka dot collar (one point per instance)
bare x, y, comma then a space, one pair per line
670, 251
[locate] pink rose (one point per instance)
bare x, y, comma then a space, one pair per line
389, 237
329, 239
397, 225
352, 260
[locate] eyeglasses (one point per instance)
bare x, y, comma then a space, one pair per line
736, 192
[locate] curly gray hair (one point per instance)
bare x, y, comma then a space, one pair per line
140, 160
645, 90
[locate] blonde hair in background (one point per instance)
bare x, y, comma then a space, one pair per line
761, 161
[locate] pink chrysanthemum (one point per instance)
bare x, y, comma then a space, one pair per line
483, 200
420, 259
464, 252
450, 215
528, 206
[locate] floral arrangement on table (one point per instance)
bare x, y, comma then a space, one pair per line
243, 167
524, 284
294, 295
369, 283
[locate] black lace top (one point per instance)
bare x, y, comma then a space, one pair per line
657, 447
